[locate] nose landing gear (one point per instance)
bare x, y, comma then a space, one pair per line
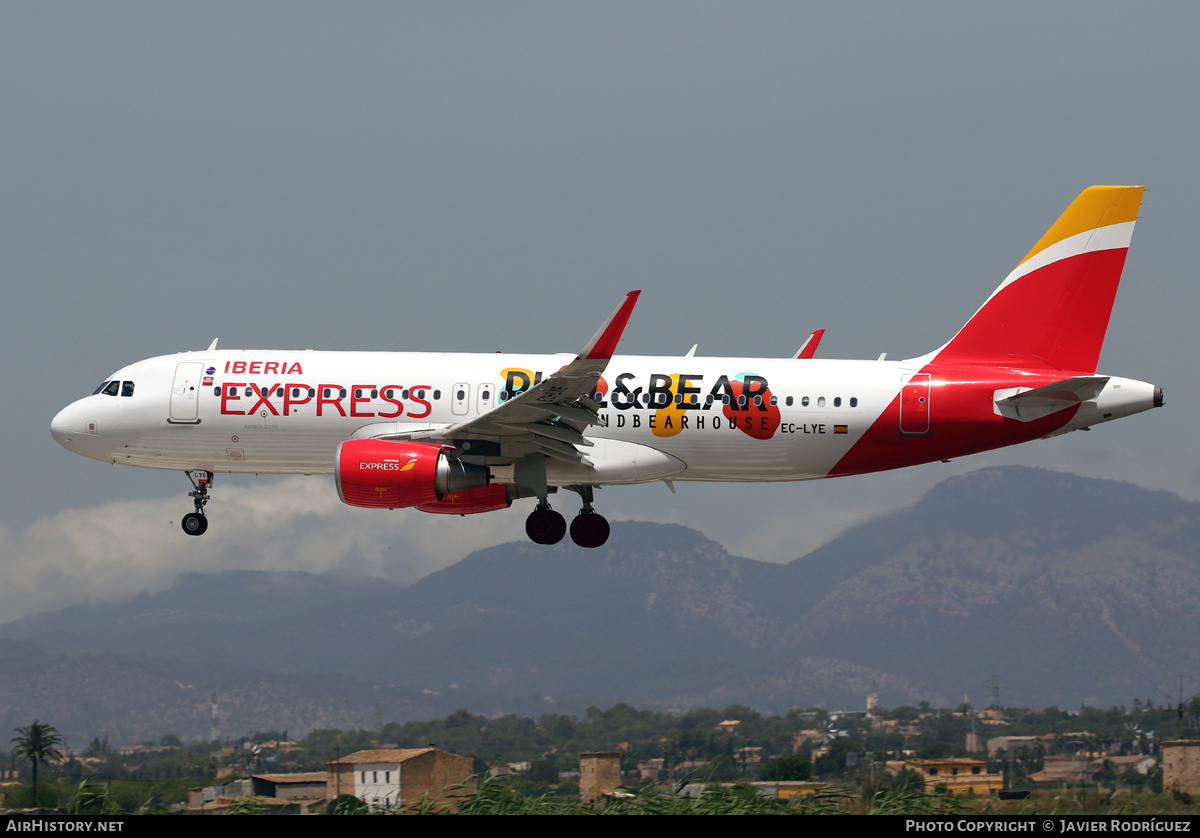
195, 523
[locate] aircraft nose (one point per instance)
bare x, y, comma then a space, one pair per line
63, 428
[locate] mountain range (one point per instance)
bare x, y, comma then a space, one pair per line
1065, 589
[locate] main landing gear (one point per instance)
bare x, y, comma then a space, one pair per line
544, 525
194, 523
588, 529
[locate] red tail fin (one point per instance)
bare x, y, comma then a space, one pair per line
1053, 309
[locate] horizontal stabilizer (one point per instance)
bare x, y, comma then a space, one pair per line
1027, 405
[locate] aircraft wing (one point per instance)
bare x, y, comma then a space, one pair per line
552, 415
1027, 405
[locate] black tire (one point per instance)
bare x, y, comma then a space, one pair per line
545, 526
194, 524
589, 529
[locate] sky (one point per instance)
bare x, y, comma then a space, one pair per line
481, 177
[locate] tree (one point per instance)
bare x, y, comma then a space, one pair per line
36, 744
786, 767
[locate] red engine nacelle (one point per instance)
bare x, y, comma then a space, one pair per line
472, 501
378, 474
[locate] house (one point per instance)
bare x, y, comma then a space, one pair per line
306, 789
1064, 770
958, 775
389, 777
269, 793
1011, 744
1141, 763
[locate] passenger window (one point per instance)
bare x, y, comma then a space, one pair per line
837, 401
708, 399
853, 402
420, 394
503, 395
112, 388
374, 393
789, 401
103, 384
311, 392
437, 394
342, 393
758, 401
742, 400
774, 400
127, 388
249, 391
216, 391
387, 394
325, 392
485, 395
820, 401
404, 394
358, 392
725, 398
460, 395
804, 401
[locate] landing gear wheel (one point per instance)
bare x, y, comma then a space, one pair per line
589, 529
545, 526
194, 524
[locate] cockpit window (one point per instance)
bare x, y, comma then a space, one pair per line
103, 384
112, 388
126, 388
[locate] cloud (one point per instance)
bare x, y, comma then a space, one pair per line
121, 548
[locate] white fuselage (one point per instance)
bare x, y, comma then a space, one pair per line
800, 418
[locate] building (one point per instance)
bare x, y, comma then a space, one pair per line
651, 769
1141, 763
1011, 744
1065, 770
390, 777
599, 774
958, 775
1181, 765
306, 789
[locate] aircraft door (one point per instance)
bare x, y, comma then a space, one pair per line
460, 399
185, 392
914, 405
486, 395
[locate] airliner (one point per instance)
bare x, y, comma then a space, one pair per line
470, 433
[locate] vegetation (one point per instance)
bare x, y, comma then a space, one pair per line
36, 743
734, 745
